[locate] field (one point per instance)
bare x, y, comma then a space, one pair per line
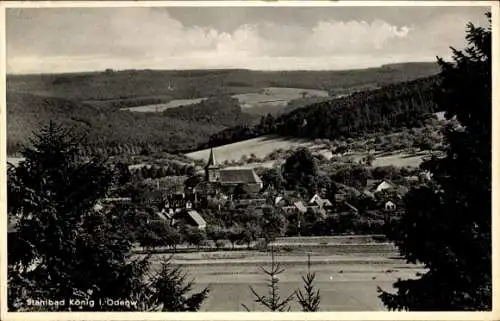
260, 147
347, 275
161, 107
276, 96
265, 145
398, 160
271, 97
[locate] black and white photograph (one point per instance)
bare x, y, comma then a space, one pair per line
248, 157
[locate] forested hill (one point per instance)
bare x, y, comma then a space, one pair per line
109, 131
391, 107
129, 88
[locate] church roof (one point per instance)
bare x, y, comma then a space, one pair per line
240, 175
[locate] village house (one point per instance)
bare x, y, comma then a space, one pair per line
189, 218
322, 203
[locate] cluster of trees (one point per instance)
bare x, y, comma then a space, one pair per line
156, 233
389, 108
65, 248
243, 226
222, 110
159, 171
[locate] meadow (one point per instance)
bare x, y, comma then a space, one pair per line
161, 107
260, 147
278, 96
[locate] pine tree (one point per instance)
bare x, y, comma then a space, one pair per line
309, 299
447, 223
170, 290
273, 301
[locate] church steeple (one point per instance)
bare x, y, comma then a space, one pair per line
212, 173
211, 159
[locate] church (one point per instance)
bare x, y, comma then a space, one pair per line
224, 180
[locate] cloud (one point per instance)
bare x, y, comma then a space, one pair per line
354, 36
94, 39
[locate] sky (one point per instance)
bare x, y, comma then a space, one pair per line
53, 40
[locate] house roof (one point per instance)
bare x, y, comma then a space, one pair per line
164, 215
300, 206
240, 175
382, 185
320, 201
196, 218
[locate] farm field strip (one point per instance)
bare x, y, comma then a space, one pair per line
162, 107
265, 145
261, 147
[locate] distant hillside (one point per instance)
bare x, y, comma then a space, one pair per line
91, 102
391, 107
131, 88
109, 131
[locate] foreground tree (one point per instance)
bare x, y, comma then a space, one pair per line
273, 301
447, 224
309, 299
64, 247
170, 290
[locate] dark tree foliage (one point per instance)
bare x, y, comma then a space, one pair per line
273, 224
300, 172
109, 131
223, 110
65, 247
195, 236
170, 290
241, 191
391, 107
447, 224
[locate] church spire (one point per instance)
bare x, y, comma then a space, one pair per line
211, 158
